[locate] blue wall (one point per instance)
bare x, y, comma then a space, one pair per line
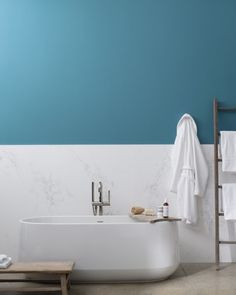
113, 71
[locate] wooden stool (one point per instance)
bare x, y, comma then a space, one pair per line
61, 269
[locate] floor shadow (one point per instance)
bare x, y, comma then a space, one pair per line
193, 268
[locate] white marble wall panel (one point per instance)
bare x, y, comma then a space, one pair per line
56, 180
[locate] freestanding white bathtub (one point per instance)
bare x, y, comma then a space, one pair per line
104, 248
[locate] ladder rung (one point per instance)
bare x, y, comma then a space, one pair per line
227, 109
227, 242
219, 186
221, 213
219, 160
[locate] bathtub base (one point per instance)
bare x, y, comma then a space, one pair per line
119, 276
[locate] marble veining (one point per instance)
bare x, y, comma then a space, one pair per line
56, 180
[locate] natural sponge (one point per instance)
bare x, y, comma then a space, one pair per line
137, 210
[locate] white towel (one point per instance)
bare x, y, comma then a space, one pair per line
7, 262
3, 257
228, 150
229, 200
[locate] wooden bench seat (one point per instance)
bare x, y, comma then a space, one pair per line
60, 269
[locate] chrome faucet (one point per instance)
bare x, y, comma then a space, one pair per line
98, 205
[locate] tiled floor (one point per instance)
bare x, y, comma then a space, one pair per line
197, 279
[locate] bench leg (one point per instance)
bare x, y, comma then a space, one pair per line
64, 285
68, 281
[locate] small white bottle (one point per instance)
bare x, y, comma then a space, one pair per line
165, 209
160, 212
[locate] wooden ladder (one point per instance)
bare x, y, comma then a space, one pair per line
217, 186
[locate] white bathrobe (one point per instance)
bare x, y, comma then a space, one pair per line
189, 168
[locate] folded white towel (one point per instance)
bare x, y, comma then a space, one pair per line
229, 200
7, 262
228, 150
3, 257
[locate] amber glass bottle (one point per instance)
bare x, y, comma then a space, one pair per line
165, 209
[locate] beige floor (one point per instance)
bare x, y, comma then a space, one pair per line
189, 279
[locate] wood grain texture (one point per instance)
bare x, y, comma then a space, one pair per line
64, 285
39, 267
30, 288
152, 219
61, 269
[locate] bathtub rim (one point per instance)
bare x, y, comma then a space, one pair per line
33, 220
128, 220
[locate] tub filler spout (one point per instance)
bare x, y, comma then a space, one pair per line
98, 205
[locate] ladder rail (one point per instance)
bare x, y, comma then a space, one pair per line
216, 182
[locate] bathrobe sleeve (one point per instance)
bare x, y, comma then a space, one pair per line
181, 155
200, 170
177, 160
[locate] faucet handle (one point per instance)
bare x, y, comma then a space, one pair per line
92, 191
109, 196
100, 187
108, 203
